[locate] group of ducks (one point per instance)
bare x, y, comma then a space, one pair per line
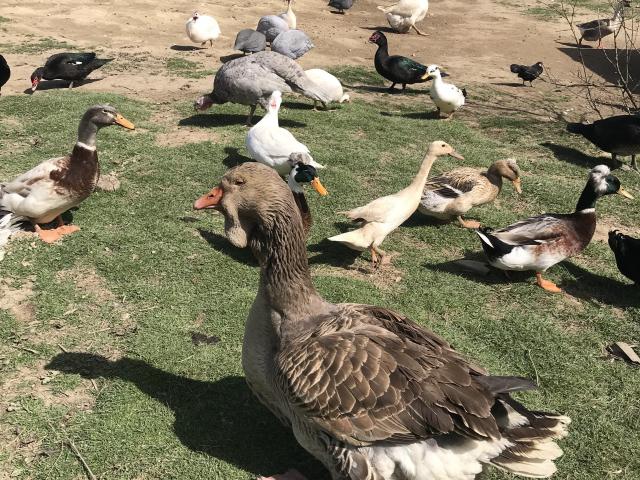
367, 391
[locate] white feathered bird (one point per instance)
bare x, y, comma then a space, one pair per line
202, 29
404, 15
8, 226
329, 84
447, 97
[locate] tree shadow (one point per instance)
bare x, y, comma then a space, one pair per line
332, 253
595, 288
60, 84
208, 120
223, 245
220, 418
186, 48
428, 115
234, 157
576, 157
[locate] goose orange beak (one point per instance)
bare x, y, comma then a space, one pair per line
210, 200
318, 187
517, 184
624, 193
123, 122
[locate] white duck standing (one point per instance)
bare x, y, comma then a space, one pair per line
403, 15
289, 16
202, 29
383, 215
272, 145
447, 97
329, 84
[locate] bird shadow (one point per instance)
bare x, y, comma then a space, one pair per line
298, 105
222, 245
186, 48
207, 120
234, 157
594, 288
332, 253
576, 157
60, 84
335, 12
219, 418
232, 56
382, 89
380, 29
509, 84
429, 115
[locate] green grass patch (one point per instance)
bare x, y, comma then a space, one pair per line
122, 297
186, 68
40, 45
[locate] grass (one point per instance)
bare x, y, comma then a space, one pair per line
113, 307
186, 68
32, 46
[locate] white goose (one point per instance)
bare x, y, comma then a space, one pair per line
402, 16
383, 215
202, 29
272, 145
447, 97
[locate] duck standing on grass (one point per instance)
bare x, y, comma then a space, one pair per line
538, 243
452, 194
627, 252
45, 192
367, 391
395, 68
202, 29
383, 215
447, 97
72, 67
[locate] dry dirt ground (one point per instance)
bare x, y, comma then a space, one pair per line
475, 40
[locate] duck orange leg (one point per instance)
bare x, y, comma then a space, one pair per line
55, 234
548, 285
289, 475
468, 223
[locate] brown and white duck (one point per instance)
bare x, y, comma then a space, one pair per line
370, 393
51, 188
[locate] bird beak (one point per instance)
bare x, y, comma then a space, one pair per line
34, 85
443, 74
426, 76
455, 154
624, 193
123, 122
210, 200
318, 187
517, 184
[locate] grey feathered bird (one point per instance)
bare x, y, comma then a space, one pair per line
250, 41
252, 79
341, 5
292, 43
272, 26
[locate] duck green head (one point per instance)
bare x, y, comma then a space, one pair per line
600, 183
303, 170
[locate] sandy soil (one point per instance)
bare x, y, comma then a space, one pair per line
475, 40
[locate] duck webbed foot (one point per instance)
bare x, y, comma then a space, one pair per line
289, 475
548, 285
468, 223
54, 234
419, 32
378, 257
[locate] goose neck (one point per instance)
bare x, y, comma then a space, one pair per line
425, 167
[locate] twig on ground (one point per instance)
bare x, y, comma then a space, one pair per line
81, 459
535, 369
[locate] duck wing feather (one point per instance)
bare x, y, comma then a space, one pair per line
534, 230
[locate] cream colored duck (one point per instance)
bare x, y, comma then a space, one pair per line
447, 97
47, 191
329, 84
452, 194
404, 15
202, 29
272, 145
367, 391
383, 215
289, 16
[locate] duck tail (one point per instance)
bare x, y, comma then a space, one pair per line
99, 62
355, 239
9, 224
515, 68
484, 233
464, 93
532, 436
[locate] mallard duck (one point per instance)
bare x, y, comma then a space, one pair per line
58, 184
202, 29
538, 243
383, 215
250, 41
598, 29
341, 5
251, 80
367, 391
270, 144
292, 43
330, 84
404, 15
395, 68
627, 252
447, 97
619, 135
302, 172
5, 72
72, 67
289, 16
452, 194
528, 74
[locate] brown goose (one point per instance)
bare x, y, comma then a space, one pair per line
371, 394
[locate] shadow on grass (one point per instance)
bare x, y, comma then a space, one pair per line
223, 245
207, 120
428, 115
186, 48
234, 157
60, 84
382, 89
576, 157
511, 84
221, 418
592, 287
332, 253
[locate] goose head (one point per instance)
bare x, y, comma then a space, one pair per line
440, 149
195, 16
249, 196
304, 170
36, 78
275, 100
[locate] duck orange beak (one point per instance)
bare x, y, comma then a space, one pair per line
517, 184
123, 122
318, 187
210, 200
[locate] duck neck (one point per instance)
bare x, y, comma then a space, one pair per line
270, 118
383, 51
87, 132
421, 178
494, 176
587, 200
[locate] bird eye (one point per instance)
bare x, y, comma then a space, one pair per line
239, 181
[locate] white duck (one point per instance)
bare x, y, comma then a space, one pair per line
272, 145
385, 214
329, 84
402, 16
447, 97
202, 29
289, 16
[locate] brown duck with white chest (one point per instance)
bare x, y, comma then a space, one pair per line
370, 393
45, 192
